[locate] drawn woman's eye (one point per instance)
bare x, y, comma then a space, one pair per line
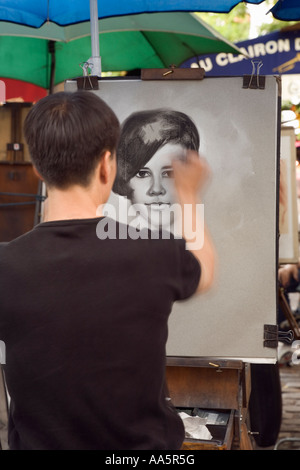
143, 173
168, 173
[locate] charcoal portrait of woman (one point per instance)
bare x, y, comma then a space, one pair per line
150, 140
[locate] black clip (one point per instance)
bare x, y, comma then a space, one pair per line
270, 336
255, 81
88, 82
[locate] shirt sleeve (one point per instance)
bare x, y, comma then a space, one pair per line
189, 272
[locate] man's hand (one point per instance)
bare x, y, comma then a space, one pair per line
191, 175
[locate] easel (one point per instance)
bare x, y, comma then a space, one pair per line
218, 385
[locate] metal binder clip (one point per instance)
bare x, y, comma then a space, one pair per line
255, 81
88, 81
270, 336
286, 336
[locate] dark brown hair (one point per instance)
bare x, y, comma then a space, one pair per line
67, 134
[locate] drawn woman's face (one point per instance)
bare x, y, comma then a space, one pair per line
153, 185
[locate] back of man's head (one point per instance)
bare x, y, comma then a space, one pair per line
67, 134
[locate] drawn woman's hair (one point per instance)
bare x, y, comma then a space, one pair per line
143, 134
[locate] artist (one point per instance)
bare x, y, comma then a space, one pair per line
84, 320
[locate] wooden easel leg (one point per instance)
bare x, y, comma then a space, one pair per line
245, 441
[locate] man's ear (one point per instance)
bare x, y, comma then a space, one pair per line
37, 173
106, 167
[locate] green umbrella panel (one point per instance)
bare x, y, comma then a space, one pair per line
126, 43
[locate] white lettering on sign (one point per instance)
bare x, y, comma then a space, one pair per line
206, 64
245, 52
250, 52
297, 44
221, 59
259, 49
271, 47
284, 45
233, 58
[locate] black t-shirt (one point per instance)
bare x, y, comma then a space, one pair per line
84, 321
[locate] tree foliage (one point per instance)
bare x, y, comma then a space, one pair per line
235, 26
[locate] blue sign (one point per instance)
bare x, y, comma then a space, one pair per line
276, 53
